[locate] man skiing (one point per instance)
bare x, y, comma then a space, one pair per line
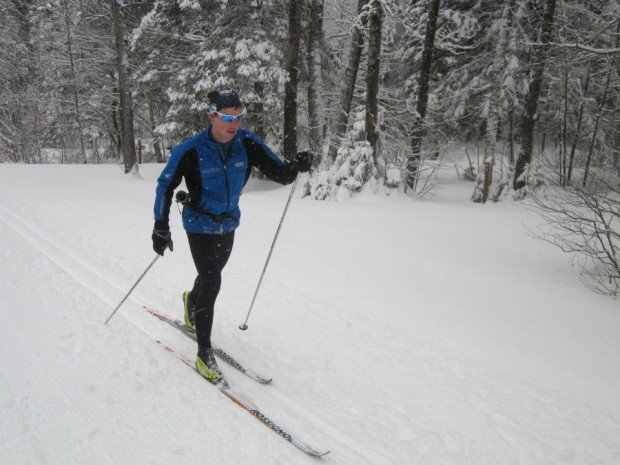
216, 164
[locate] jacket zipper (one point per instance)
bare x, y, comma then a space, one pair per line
219, 151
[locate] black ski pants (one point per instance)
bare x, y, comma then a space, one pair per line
210, 254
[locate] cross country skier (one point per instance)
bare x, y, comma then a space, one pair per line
216, 164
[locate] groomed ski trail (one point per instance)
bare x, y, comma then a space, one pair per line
109, 384
276, 393
107, 292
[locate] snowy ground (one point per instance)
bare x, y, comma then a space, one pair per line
396, 331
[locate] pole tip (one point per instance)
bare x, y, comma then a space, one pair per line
243, 327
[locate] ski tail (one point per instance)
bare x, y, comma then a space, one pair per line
247, 405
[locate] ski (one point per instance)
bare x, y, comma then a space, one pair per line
217, 351
247, 405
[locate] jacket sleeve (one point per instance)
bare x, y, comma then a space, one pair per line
168, 181
267, 161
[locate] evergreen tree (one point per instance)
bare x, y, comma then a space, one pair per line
375, 25
413, 164
19, 110
316, 109
349, 79
124, 89
531, 101
190, 51
290, 88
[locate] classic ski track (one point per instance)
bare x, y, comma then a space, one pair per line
65, 258
332, 432
81, 402
61, 257
248, 405
315, 420
34, 238
79, 270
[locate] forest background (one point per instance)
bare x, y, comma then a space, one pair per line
382, 91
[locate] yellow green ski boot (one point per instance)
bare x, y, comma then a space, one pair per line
207, 367
188, 311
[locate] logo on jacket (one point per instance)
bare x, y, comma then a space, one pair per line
239, 164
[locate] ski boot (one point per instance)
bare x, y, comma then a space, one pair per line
207, 367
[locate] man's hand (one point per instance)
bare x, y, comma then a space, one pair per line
162, 240
303, 161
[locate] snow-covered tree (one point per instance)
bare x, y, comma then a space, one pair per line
128, 143
349, 78
499, 74
189, 51
539, 59
353, 169
375, 26
413, 162
290, 87
314, 60
20, 115
60, 85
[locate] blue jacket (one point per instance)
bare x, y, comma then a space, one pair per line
215, 180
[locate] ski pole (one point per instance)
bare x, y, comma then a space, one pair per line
132, 288
243, 326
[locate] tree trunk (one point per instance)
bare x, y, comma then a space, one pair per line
571, 157
17, 81
315, 106
499, 63
20, 143
63, 145
375, 22
259, 108
348, 84
413, 163
511, 134
290, 88
596, 124
156, 139
564, 151
139, 152
76, 99
600, 110
114, 135
531, 100
127, 137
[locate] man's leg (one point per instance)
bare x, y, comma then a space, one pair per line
210, 254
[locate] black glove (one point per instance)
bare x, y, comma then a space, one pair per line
303, 161
162, 240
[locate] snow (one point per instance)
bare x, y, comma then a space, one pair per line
396, 330
189, 5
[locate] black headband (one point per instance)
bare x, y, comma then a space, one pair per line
225, 98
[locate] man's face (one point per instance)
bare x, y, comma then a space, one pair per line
222, 131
